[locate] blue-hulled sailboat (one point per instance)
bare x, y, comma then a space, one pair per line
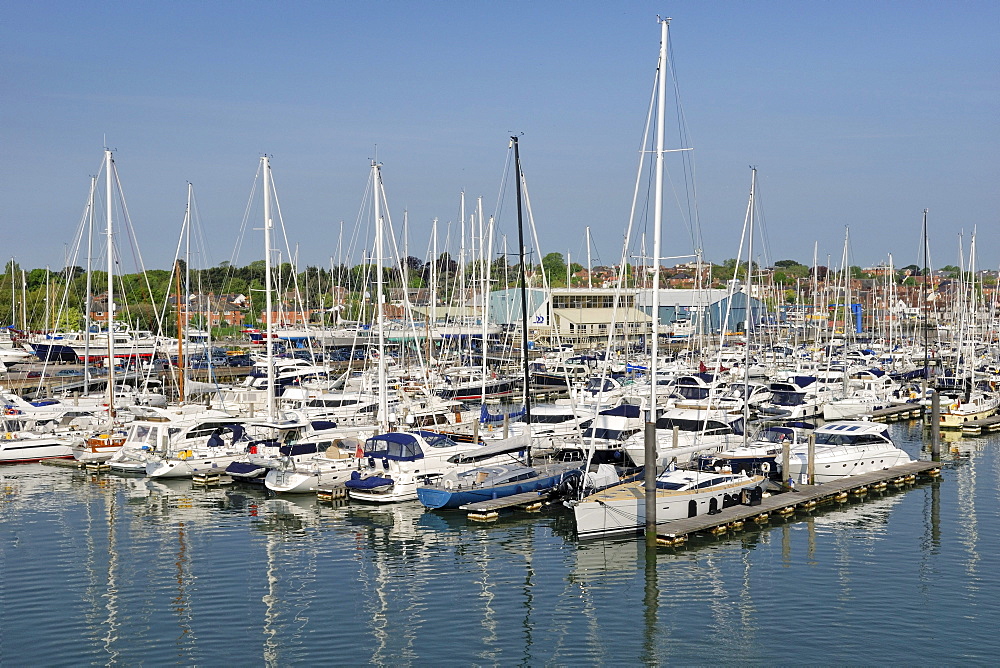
498, 480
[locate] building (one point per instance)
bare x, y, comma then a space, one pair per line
582, 317
703, 311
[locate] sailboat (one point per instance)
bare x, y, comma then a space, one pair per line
502, 479
101, 447
630, 506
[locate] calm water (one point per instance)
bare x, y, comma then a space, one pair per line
109, 570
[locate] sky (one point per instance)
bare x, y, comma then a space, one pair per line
856, 115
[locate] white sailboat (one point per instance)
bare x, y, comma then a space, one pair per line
678, 493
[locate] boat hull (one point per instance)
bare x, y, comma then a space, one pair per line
441, 498
622, 509
23, 450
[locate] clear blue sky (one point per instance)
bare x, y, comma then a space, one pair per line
856, 114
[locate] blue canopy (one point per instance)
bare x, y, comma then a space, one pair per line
299, 449
624, 410
394, 445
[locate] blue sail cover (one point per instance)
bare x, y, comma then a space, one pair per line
624, 410
371, 482
299, 449
486, 417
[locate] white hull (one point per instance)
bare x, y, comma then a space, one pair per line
842, 461
304, 482
622, 509
31, 448
171, 467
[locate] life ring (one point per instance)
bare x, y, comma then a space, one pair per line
185, 454
954, 406
448, 484
765, 468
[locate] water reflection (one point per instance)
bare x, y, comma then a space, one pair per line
166, 572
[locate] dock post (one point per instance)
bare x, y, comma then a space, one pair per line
676, 438
811, 465
475, 431
506, 425
786, 456
649, 478
935, 426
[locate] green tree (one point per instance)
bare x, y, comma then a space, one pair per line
555, 268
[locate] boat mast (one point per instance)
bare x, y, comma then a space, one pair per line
923, 292
524, 298
180, 335
650, 428
109, 165
268, 224
383, 399
87, 291
748, 318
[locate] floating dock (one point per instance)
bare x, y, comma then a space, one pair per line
486, 511
330, 494
977, 427
896, 413
804, 498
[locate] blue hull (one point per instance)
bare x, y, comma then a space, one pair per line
445, 499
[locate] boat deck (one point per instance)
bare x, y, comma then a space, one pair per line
805, 497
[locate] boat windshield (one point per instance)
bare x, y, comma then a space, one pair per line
688, 424
549, 418
608, 434
438, 440
847, 438
142, 433
692, 391
776, 435
781, 398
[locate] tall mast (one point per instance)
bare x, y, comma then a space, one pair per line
88, 300
109, 165
268, 225
650, 428
923, 292
524, 299
383, 399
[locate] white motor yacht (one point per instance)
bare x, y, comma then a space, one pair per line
846, 448
680, 493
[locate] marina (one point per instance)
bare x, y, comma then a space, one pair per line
603, 425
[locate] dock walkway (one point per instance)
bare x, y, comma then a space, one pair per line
490, 509
894, 413
976, 427
805, 497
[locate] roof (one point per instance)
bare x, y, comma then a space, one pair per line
681, 297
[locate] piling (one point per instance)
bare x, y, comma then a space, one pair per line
811, 464
786, 456
936, 426
649, 478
